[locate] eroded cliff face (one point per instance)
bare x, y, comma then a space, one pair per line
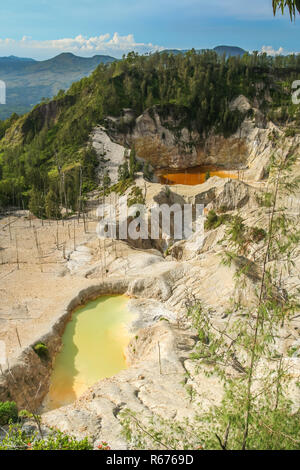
167, 141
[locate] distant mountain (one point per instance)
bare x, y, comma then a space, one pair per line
174, 51
13, 58
28, 81
228, 50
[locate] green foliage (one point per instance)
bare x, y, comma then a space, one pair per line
194, 88
52, 210
223, 209
290, 132
214, 221
243, 348
37, 203
291, 5
8, 412
90, 163
120, 188
25, 415
265, 200
136, 196
4, 125
207, 175
167, 191
19, 439
41, 350
148, 173
236, 235
257, 234
271, 430
134, 164
106, 180
123, 172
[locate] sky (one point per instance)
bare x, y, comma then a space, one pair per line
42, 29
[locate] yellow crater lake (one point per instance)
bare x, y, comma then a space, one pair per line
93, 347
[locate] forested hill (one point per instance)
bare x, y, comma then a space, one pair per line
28, 81
36, 149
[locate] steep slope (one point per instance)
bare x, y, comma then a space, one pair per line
29, 81
186, 100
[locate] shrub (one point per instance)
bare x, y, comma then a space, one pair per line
214, 221
207, 175
223, 209
8, 412
290, 132
120, 188
257, 234
167, 191
24, 415
266, 200
18, 439
136, 197
41, 350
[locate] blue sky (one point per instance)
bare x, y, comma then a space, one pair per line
42, 28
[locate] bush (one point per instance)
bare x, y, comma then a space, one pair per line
214, 221
18, 439
120, 188
223, 209
290, 132
207, 175
257, 234
41, 350
136, 197
8, 412
265, 200
24, 415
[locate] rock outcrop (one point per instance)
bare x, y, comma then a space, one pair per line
164, 139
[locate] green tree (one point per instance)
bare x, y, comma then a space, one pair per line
148, 173
106, 180
292, 5
52, 208
123, 172
133, 164
37, 203
256, 411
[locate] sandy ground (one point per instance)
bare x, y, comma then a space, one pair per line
35, 283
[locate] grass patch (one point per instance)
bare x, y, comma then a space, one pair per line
214, 220
8, 412
41, 350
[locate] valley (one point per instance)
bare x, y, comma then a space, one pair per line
190, 305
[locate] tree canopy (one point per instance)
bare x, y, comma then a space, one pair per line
292, 5
45, 156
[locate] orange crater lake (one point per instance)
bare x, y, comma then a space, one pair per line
93, 347
194, 176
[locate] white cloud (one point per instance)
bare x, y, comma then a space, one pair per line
103, 44
273, 52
